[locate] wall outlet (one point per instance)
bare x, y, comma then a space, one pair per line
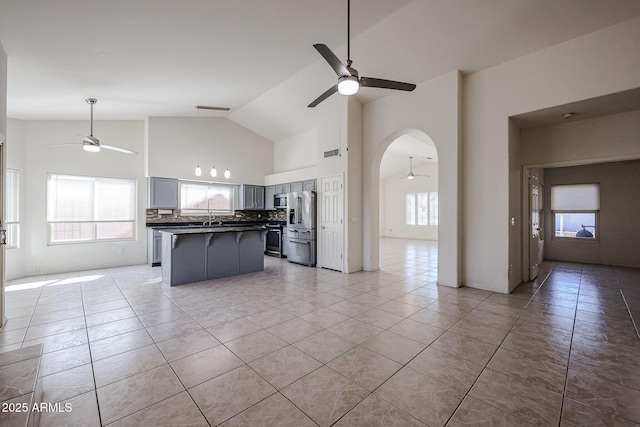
121, 251
37, 269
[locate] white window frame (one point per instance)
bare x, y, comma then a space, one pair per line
94, 222
210, 186
561, 206
13, 199
415, 195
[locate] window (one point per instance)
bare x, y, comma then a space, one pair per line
575, 210
422, 209
84, 209
200, 198
13, 209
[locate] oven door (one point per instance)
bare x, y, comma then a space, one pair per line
274, 241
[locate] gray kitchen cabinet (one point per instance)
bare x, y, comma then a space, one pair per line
251, 197
309, 185
296, 186
154, 247
283, 188
269, 193
163, 193
259, 191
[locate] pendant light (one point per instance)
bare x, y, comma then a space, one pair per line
198, 171
214, 172
227, 174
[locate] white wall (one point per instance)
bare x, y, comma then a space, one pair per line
597, 64
433, 108
39, 258
618, 230
177, 144
296, 152
351, 132
392, 201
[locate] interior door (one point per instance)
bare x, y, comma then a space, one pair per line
331, 222
536, 239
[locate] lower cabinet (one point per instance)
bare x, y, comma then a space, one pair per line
154, 247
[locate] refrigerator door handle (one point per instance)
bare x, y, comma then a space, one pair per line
299, 209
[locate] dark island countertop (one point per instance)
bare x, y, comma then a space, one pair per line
215, 229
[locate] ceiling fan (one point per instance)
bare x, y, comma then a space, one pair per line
349, 81
412, 175
91, 143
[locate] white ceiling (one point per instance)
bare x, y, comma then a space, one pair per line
162, 57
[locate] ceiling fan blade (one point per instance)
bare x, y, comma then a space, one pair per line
386, 84
121, 150
332, 59
333, 89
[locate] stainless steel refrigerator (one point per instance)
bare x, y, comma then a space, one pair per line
301, 227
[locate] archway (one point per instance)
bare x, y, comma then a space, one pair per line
448, 204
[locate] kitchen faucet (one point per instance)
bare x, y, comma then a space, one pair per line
212, 215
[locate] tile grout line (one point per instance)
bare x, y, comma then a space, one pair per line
467, 393
566, 375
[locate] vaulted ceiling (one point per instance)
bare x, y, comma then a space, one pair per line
145, 58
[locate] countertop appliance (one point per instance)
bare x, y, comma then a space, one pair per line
280, 201
301, 227
275, 240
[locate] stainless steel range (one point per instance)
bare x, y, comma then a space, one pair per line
275, 240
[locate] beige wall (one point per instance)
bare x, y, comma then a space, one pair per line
618, 235
435, 109
40, 159
606, 138
176, 145
600, 63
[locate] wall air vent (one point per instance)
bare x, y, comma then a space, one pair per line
332, 153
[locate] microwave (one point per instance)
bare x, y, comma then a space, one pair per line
280, 201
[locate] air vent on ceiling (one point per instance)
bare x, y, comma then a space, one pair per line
208, 107
332, 153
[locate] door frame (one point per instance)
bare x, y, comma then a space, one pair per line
527, 172
3, 250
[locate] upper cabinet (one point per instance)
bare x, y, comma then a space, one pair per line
251, 197
269, 193
283, 188
163, 193
296, 186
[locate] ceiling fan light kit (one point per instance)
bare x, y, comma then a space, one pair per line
91, 143
348, 85
349, 81
412, 175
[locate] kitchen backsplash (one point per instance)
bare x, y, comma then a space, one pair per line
250, 216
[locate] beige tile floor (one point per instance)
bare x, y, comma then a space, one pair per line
298, 346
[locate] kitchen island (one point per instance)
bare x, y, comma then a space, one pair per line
197, 254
